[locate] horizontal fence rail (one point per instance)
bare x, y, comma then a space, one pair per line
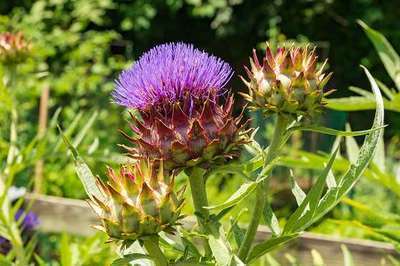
58, 215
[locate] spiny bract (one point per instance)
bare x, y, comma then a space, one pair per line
191, 133
138, 201
287, 82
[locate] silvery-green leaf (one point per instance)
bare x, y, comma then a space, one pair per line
271, 220
244, 191
347, 258
219, 249
352, 148
297, 192
317, 258
388, 55
84, 173
268, 245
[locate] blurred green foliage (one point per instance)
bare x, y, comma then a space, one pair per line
81, 45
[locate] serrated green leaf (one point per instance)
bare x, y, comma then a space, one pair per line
238, 233
220, 251
387, 54
302, 215
330, 180
389, 92
82, 133
317, 258
379, 157
244, 191
271, 261
333, 132
297, 192
352, 148
365, 156
362, 92
69, 131
271, 220
354, 103
127, 259
84, 173
268, 245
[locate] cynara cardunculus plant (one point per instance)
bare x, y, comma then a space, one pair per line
186, 123
177, 90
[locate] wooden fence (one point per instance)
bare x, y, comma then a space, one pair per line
59, 215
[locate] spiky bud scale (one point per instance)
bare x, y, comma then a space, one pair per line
287, 82
138, 201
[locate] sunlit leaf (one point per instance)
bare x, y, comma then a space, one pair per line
317, 258
219, 249
130, 258
245, 190
352, 148
268, 245
388, 55
84, 173
355, 103
334, 132
347, 258
308, 206
271, 220
297, 192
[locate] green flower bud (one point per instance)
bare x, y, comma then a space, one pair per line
137, 202
286, 82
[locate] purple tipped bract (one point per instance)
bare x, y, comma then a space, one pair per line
168, 73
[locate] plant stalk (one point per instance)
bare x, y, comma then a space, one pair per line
199, 195
10, 83
151, 244
261, 191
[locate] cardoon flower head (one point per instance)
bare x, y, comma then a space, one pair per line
169, 73
138, 201
287, 82
13, 48
177, 89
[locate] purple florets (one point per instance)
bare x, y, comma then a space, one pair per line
168, 73
30, 221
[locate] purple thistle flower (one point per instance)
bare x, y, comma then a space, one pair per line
168, 73
30, 221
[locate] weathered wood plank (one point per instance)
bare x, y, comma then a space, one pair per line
75, 216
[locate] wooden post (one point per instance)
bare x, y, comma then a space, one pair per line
42, 126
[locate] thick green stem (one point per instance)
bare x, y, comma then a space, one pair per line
261, 192
199, 195
153, 249
6, 217
10, 83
